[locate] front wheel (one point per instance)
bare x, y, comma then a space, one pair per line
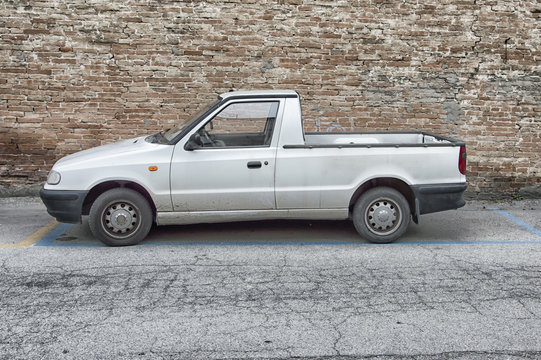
120, 217
381, 215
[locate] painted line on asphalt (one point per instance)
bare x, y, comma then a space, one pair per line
518, 221
49, 241
327, 243
49, 238
35, 237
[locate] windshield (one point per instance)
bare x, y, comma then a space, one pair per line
170, 134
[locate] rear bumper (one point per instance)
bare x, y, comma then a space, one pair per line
65, 205
438, 197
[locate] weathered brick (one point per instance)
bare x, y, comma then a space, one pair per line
75, 77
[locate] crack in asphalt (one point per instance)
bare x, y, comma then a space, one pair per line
248, 307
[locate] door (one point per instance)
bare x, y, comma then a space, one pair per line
232, 166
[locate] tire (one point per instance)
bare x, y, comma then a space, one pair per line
120, 217
381, 215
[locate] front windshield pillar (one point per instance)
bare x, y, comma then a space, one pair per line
173, 135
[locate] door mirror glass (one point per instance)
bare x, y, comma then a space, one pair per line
195, 142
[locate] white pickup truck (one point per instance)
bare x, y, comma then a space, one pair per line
245, 156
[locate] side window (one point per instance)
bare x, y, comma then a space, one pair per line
241, 124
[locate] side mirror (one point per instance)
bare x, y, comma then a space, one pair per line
194, 142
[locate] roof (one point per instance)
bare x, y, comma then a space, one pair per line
259, 93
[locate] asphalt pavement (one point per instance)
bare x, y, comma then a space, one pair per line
463, 284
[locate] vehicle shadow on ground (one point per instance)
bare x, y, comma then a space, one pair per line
445, 227
258, 232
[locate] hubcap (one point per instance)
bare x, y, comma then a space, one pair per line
120, 219
383, 217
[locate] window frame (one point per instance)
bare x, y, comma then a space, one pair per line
272, 128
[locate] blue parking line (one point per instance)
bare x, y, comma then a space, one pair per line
150, 243
246, 243
518, 221
333, 243
48, 240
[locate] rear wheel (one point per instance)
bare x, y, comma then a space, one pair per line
381, 215
120, 217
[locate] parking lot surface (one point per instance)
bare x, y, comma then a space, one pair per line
463, 284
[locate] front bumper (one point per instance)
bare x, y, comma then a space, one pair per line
65, 205
438, 197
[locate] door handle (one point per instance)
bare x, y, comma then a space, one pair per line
254, 164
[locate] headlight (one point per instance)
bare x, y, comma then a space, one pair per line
53, 178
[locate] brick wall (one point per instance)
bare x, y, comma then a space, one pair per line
76, 74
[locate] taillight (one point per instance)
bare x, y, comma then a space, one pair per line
462, 160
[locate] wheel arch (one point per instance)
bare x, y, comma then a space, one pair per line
99, 189
397, 184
